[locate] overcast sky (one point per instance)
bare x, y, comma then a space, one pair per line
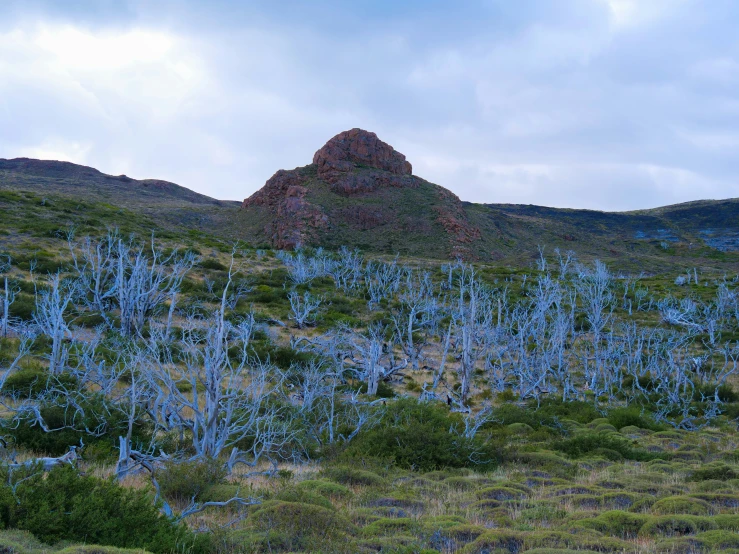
605, 104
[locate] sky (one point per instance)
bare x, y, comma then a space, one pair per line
599, 104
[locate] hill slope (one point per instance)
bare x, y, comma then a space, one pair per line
360, 192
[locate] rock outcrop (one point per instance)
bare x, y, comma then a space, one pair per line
356, 164
356, 161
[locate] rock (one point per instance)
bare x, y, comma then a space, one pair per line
309, 203
356, 148
295, 218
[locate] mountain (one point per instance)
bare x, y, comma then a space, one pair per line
168, 204
360, 192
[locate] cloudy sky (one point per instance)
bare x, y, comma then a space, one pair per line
605, 104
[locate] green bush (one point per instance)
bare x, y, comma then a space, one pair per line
676, 525
352, 476
681, 505
719, 471
96, 414
588, 443
181, 481
63, 506
304, 496
32, 381
420, 435
212, 264
293, 526
616, 523
575, 410
632, 416
326, 488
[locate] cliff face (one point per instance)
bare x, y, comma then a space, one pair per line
359, 186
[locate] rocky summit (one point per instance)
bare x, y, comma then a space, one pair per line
359, 190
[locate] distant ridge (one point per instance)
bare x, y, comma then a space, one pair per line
360, 192
67, 177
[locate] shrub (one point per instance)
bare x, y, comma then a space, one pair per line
383, 390
32, 381
575, 410
212, 264
587, 443
616, 523
719, 471
352, 477
681, 505
65, 506
294, 526
420, 435
304, 496
326, 488
632, 416
72, 424
185, 480
675, 526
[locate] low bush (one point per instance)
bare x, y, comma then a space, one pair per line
352, 476
632, 416
30, 382
63, 506
72, 424
182, 481
721, 472
293, 526
421, 436
589, 443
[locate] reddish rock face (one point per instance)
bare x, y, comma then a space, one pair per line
295, 219
358, 147
354, 163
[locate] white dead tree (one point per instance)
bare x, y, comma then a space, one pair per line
594, 288
133, 280
382, 281
304, 308
371, 356
52, 304
26, 336
346, 270
417, 316
7, 296
472, 316
301, 268
209, 388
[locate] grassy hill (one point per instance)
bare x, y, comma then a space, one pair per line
410, 217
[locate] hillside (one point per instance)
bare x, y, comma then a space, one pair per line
360, 192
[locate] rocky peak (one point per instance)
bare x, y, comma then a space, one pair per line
357, 148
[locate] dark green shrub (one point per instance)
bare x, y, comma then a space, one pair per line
681, 505
588, 443
575, 410
63, 506
383, 390
720, 472
632, 416
420, 435
676, 525
212, 264
326, 488
71, 423
616, 523
292, 526
181, 481
31, 381
352, 476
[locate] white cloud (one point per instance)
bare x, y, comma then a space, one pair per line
612, 104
